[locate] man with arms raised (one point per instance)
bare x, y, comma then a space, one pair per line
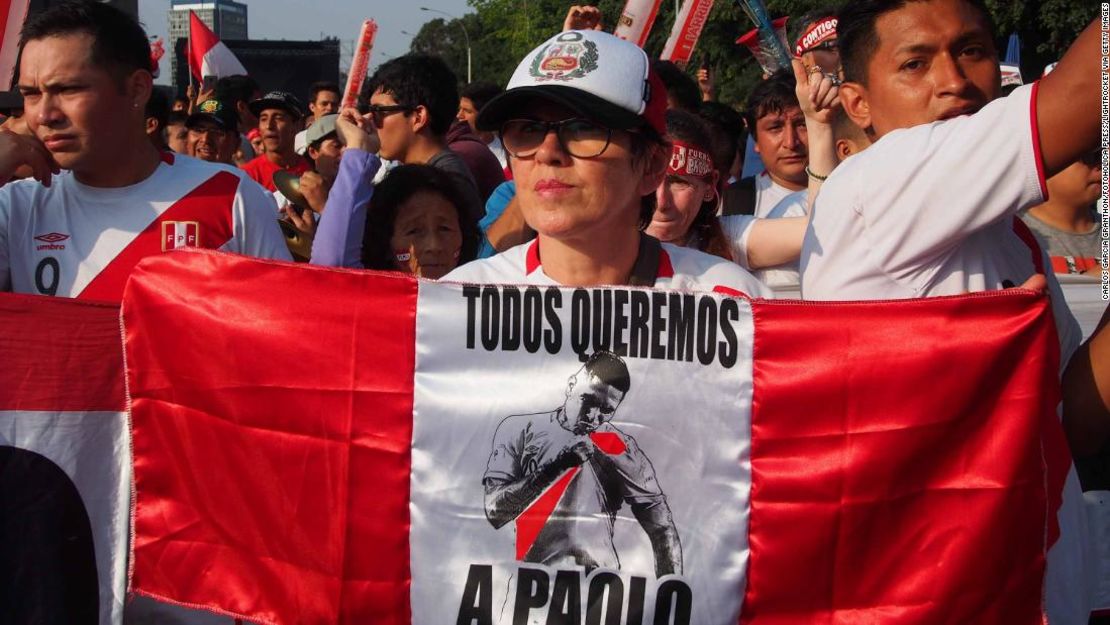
85, 78
930, 208
587, 152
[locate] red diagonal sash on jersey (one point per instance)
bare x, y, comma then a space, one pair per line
209, 205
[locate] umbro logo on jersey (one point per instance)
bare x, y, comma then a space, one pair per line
177, 234
51, 241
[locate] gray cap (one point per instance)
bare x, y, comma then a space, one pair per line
320, 129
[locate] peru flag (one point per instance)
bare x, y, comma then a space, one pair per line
65, 469
208, 56
357, 447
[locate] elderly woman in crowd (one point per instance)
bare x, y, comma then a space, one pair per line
416, 224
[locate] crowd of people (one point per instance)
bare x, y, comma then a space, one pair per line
892, 167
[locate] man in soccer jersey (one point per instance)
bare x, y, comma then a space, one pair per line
930, 208
85, 79
563, 476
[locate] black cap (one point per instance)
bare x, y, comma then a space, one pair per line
278, 100
216, 112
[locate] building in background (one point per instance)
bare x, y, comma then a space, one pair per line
226, 18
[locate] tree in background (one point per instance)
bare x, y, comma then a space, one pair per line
503, 31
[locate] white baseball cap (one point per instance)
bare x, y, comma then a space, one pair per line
591, 72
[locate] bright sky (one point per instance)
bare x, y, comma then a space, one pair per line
313, 19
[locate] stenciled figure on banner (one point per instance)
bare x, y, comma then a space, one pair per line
563, 475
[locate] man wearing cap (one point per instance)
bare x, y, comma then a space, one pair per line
278, 116
213, 132
324, 149
583, 122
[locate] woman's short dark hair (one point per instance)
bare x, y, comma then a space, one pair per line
643, 142
398, 186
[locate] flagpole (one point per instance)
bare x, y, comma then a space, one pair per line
189, 48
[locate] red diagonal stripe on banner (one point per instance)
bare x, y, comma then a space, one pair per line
855, 517
274, 492
532, 521
209, 205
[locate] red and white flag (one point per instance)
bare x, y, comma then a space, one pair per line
157, 51
636, 20
12, 14
208, 56
65, 471
447, 453
687, 29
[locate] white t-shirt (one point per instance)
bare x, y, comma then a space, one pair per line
72, 240
930, 211
768, 194
679, 268
737, 229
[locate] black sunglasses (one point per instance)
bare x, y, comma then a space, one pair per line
579, 137
379, 112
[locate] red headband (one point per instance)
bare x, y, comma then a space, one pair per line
818, 32
687, 160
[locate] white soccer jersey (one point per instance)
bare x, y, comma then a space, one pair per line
73, 240
930, 210
768, 194
679, 268
737, 229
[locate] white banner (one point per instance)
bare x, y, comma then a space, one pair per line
546, 537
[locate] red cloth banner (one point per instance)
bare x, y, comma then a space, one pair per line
302, 515
904, 456
64, 466
896, 461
